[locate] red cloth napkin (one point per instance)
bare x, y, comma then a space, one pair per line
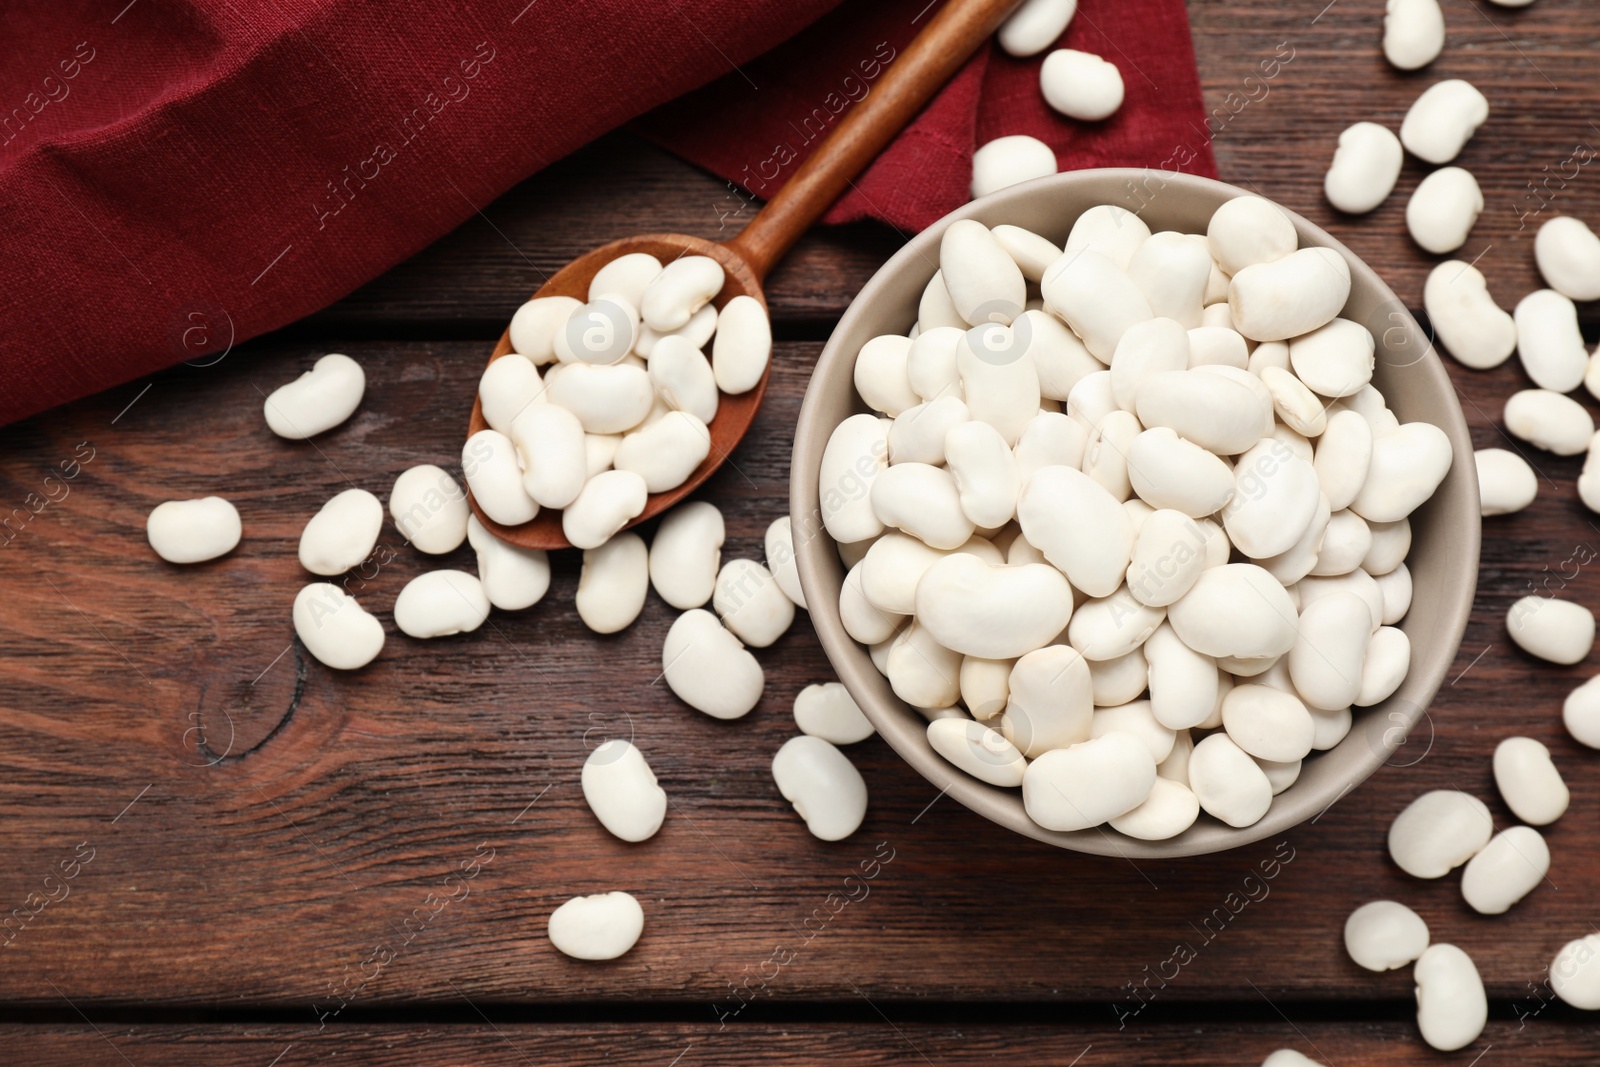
772, 112
180, 175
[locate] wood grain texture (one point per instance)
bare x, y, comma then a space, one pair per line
246, 830
1538, 156
660, 1045
340, 803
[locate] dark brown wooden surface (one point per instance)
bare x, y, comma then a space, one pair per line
263, 830
882, 1041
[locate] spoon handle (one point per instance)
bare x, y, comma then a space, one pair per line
929, 61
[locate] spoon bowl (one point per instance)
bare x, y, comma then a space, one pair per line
734, 412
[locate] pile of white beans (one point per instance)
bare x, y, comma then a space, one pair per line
593, 433
622, 410
1162, 600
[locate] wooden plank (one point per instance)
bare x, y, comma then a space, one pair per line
299, 857
662, 1045
1274, 124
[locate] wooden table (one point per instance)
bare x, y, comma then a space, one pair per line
261, 850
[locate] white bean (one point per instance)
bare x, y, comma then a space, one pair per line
1031, 253
1083, 786
1248, 230
743, 346
1555, 630
334, 628
750, 603
1335, 359
622, 792
1465, 317
1408, 463
666, 452
1079, 526
342, 533
613, 583
1444, 209
513, 577
779, 546
1059, 359
682, 287
687, 553
1117, 681
1327, 658
601, 332
998, 380
1442, 120
1529, 781
1229, 784
1050, 439
1049, 702
1110, 230
1172, 270
823, 785
429, 509
609, 399
554, 451
193, 531
984, 283
1236, 609
598, 927
1510, 867
1385, 935
826, 710
489, 460
978, 750
1215, 412
1275, 498
535, 325
1365, 166
1550, 420
935, 309
1413, 33
441, 603
628, 276
697, 331
1146, 348
1549, 342
1568, 253
1438, 832
1035, 26
1343, 456
608, 501
921, 671
318, 400
930, 363
1080, 85
1505, 481
1169, 810
1575, 973
918, 435
1580, 712
680, 375
1268, 723
1095, 296
1451, 1005
1171, 473
1290, 296
708, 668
1007, 161
855, 454
997, 612
508, 386
984, 472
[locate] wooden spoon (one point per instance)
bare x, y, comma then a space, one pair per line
944, 44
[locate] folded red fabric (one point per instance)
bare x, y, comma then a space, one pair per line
772, 112
179, 176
